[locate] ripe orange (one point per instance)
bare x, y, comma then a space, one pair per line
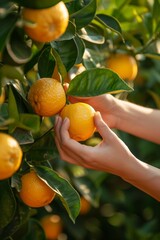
45, 25
34, 191
52, 226
47, 96
124, 65
85, 206
10, 156
81, 120
2, 95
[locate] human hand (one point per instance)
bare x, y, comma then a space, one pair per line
111, 155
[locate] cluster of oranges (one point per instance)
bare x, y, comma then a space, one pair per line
48, 98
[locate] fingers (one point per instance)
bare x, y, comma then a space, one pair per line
63, 141
102, 127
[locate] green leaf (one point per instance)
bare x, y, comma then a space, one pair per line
46, 63
11, 73
43, 149
80, 49
69, 33
7, 24
95, 82
36, 3
20, 217
12, 110
67, 51
110, 23
31, 121
7, 203
60, 65
67, 194
23, 136
85, 15
35, 231
17, 49
92, 34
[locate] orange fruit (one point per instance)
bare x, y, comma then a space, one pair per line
81, 120
10, 156
85, 206
2, 95
124, 65
52, 226
47, 97
34, 191
47, 24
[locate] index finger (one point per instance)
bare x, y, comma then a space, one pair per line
69, 143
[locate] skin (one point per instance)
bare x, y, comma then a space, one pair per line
112, 155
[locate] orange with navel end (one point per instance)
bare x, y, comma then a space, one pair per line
46, 25
124, 65
34, 191
81, 120
47, 97
52, 226
10, 156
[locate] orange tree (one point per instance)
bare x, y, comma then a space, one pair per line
91, 32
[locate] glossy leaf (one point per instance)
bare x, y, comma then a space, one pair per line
46, 63
36, 3
67, 194
12, 110
17, 48
43, 149
7, 24
110, 22
85, 15
67, 51
69, 33
23, 136
92, 34
61, 67
80, 49
95, 82
7, 203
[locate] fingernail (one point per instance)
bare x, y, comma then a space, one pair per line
65, 119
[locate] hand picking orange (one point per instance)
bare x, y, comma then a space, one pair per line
81, 120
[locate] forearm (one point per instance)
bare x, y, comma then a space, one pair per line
139, 121
145, 177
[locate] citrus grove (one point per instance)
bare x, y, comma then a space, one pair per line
96, 47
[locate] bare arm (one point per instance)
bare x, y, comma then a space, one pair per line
111, 155
139, 121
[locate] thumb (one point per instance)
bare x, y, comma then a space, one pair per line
103, 129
